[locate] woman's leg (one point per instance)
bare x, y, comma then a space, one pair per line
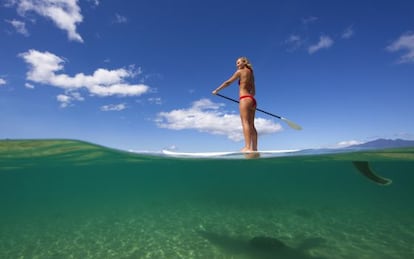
253, 131
246, 120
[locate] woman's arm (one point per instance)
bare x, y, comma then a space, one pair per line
228, 82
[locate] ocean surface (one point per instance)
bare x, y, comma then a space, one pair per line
72, 199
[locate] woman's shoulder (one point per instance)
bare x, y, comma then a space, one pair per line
245, 70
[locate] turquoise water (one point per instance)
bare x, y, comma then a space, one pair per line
70, 199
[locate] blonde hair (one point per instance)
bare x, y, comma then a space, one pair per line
246, 62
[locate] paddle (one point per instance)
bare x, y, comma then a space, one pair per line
290, 123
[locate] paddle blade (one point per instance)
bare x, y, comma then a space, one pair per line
291, 124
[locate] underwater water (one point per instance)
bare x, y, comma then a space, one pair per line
71, 199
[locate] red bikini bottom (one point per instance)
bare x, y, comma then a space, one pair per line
248, 96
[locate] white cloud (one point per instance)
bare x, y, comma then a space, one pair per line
64, 100
2, 81
205, 116
19, 26
348, 33
293, 38
294, 42
67, 98
65, 14
324, 43
404, 43
156, 100
347, 143
44, 68
114, 107
120, 19
29, 86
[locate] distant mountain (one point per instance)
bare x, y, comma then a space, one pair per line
386, 143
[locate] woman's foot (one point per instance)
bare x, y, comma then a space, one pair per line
245, 149
249, 153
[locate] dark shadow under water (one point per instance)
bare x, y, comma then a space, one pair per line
262, 247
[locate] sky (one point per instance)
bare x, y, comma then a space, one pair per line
138, 75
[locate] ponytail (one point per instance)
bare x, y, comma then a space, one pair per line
247, 63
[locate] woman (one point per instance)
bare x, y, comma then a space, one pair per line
247, 90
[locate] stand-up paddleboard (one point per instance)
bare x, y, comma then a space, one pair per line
226, 154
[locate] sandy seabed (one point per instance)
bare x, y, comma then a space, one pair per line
162, 229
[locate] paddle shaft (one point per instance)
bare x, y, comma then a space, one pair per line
265, 112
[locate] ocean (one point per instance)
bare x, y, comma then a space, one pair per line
73, 199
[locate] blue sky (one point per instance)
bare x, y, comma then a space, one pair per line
138, 75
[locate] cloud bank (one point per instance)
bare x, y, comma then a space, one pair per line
44, 68
347, 143
65, 14
205, 116
404, 43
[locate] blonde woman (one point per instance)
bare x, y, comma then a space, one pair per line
247, 104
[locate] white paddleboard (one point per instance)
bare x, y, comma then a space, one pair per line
226, 154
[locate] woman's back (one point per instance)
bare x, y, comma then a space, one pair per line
246, 82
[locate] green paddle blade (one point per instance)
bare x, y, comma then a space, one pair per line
291, 124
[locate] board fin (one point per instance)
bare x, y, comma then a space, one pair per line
364, 168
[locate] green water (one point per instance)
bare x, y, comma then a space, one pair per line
70, 199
